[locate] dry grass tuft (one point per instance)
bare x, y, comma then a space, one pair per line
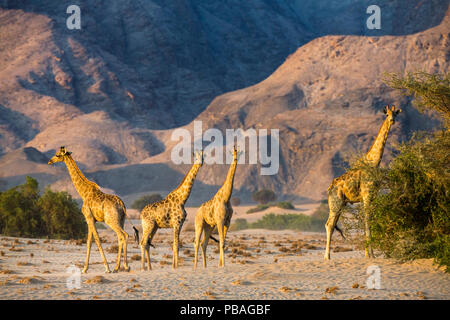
96, 280
6, 271
113, 249
136, 257
332, 290
29, 280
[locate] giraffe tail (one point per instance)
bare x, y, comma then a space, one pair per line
136, 234
211, 237
340, 231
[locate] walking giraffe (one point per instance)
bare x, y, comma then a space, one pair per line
216, 212
168, 213
97, 207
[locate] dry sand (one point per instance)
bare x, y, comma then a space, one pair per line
260, 264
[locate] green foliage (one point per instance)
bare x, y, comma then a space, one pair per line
140, 203
258, 208
61, 216
239, 224
410, 206
291, 221
264, 196
412, 219
285, 205
431, 91
19, 213
24, 213
282, 204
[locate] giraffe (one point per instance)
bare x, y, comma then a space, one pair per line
215, 212
97, 207
353, 186
168, 213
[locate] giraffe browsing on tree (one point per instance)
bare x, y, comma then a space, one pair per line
354, 186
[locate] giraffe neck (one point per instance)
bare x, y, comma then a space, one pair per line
225, 191
376, 150
81, 183
182, 192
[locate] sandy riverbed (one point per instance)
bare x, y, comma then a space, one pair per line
260, 264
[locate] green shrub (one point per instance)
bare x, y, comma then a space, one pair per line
61, 216
258, 208
285, 205
141, 202
19, 213
239, 224
281, 204
264, 196
24, 213
411, 219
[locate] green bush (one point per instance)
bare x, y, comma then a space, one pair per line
281, 222
264, 196
281, 204
239, 224
61, 216
258, 208
411, 219
285, 205
24, 213
141, 202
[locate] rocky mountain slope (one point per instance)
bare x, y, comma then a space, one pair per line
114, 91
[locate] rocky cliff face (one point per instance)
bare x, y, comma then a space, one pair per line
113, 91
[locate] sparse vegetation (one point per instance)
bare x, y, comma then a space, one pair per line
282, 204
264, 196
283, 221
25, 213
141, 202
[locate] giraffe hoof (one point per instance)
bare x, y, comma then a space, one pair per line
126, 269
84, 271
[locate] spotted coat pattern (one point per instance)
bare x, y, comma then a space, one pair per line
167, 213
216, 212
97, 207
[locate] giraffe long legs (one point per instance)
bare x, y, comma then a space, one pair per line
368, 251
220, 229
93, 232
206, 234
176, 238
329, 226
122, 238
198, 233
149, 231
88, 253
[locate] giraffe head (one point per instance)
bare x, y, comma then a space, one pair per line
235, 152
391, 113
60, 155
198, 157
